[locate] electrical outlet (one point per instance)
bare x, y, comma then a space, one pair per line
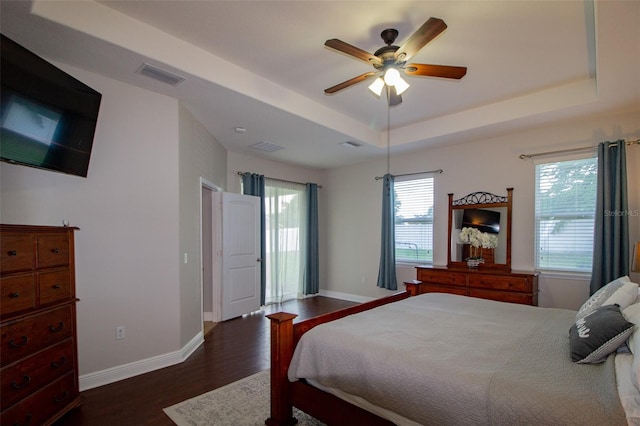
120, 332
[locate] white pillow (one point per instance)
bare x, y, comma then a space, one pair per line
627, 390
620, 291
625, 296
632, 314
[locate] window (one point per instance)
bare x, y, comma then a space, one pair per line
565, 204
414, 219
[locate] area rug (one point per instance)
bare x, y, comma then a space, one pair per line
241, 403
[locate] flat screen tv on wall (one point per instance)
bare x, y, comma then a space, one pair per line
48, 118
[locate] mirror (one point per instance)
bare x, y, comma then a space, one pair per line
491, 215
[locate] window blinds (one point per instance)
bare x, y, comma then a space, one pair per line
565, 198
414, 218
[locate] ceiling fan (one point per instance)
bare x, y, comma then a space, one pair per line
389, 59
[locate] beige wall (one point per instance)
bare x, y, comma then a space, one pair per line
350, 201
272, 169
127, 212
353, 198
201, 156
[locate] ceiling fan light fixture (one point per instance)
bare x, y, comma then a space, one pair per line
391, 76
401, 86
377, 86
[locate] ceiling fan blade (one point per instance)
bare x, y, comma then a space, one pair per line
351, 82
443, 71
350, 50
393, 97
423, 35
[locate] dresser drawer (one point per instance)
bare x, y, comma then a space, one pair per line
54, 286
505, 296
436, 288
441, 277
18, 293
498, 282
44, 404
53, 250
24, 337
17, 252
30, 374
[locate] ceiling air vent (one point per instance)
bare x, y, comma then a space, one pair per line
266, 146
159, 74
350, 144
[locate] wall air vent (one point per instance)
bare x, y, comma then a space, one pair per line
157, 73
266, 146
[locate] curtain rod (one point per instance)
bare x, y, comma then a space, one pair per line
281, 180
438, 171
584, 148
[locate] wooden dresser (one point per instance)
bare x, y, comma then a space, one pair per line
504, 286
38, 355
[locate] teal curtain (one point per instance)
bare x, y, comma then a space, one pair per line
311, 282
387, 270
611, 230
253, 184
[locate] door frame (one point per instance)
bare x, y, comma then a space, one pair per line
209, 186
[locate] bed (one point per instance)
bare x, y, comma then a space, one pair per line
447, 360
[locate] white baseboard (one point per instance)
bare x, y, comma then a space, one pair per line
345, 296
194, 344
207, 316
121, 372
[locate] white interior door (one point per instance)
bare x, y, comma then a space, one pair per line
240, 254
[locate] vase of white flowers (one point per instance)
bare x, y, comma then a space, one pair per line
477, 241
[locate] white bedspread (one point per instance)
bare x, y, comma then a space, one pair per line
451, 360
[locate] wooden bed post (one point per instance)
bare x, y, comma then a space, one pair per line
281, 353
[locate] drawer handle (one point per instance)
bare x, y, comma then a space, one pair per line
12, 252
56, 329
55, 250
15, 345
27, 423
63, 361
25, 381
56, 286
62, 397
14, 295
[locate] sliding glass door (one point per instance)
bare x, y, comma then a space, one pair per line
285, 223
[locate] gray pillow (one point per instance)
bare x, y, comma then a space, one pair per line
593, 337
620, 291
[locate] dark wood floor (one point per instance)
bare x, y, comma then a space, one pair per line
235, 349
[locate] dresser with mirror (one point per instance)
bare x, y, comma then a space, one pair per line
483, 272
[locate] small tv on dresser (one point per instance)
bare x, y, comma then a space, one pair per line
48, 118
